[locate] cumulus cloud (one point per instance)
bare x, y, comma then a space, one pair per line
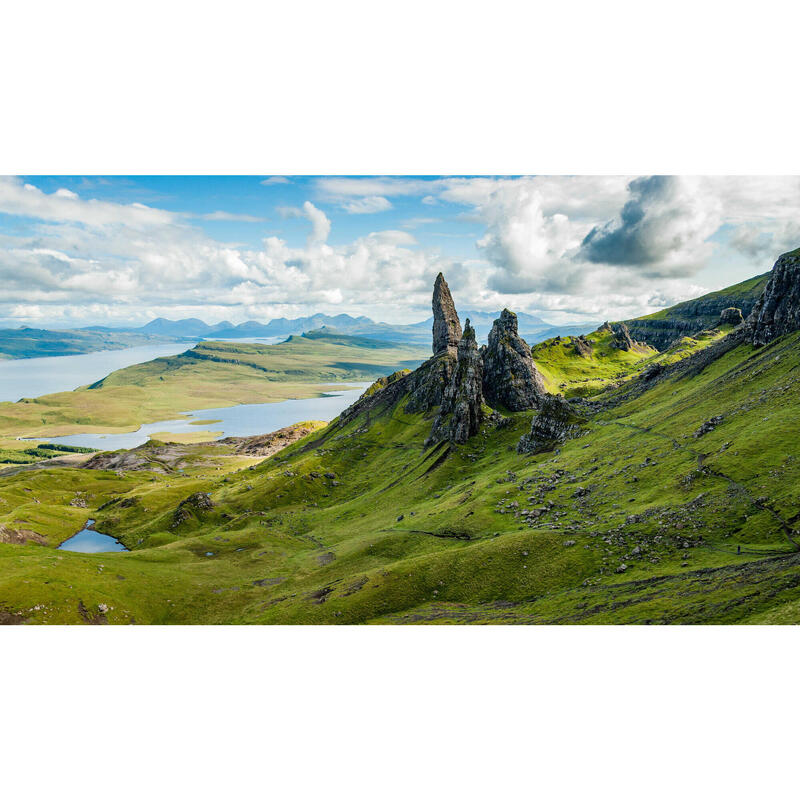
566, 247
662, 229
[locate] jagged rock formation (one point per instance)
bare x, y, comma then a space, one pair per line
731, 316
554, 423
693, 316
622, 337
510, 378
582, 346
778, 310
446, 325
460, 414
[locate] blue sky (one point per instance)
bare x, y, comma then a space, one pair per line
120, 250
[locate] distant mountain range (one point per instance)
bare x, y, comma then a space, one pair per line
531, 328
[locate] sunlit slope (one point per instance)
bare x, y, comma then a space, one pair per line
637, 520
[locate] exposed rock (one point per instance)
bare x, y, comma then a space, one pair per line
778, 310
383, 382
692, 316
707, 427
553, 423
20, 536
460, 413
199, 501
622, 337
731, 316
583, 346
268, 444
446, 325
510, 378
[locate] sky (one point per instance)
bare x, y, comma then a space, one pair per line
119, 251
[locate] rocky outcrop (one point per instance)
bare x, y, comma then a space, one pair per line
446, 325
731, 316
10, 535
199, 501
582, 346
622, 337
778, 310
554, 423
383, 382
692, 316
510, 378
460, 413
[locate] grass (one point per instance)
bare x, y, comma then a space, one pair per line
638, 520
210, 375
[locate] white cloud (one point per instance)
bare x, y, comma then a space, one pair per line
275, 179
227, 216
371, 204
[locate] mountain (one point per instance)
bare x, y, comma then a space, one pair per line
661, 329
591, 479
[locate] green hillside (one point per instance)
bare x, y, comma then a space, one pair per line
637, 520
662, 328
210, 375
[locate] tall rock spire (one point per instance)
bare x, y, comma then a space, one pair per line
460, 413
446, 325
510, 378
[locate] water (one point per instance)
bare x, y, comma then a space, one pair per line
33, 377
246, 420
91, 541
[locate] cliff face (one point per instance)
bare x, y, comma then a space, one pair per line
510, 378
778, 310
686, 319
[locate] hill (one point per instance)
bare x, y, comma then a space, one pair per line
465, 492
38, 343
662, 328
209, 375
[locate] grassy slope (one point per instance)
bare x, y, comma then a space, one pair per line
212, 374
402, 535
750, 289
573, 375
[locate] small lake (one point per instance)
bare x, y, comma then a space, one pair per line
245, 420
33, 377
91, 541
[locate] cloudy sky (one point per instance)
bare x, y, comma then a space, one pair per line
120, 250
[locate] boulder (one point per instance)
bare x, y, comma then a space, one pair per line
510, 378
